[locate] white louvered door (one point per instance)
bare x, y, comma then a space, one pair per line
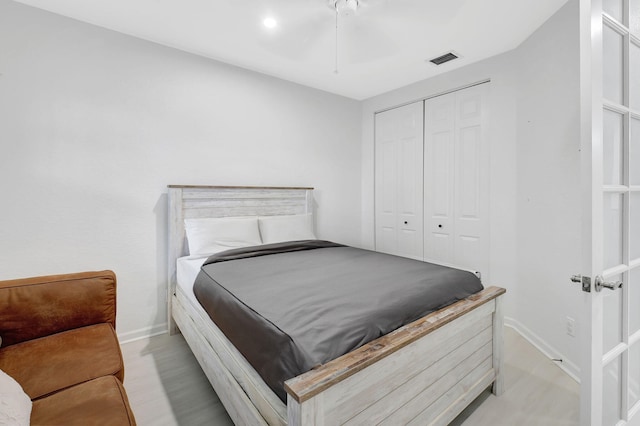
398, 181
456, 181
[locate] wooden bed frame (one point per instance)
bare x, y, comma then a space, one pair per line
426, 372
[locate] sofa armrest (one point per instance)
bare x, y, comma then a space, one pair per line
41, 306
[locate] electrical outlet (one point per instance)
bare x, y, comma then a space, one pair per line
571, 327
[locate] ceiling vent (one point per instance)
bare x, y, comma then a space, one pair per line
444, 58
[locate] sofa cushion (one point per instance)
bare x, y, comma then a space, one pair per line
40, 306
62, 360
101, 402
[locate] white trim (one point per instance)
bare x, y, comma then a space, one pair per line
433, 95
547, 350
142, 333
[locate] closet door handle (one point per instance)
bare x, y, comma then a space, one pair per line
406, 223
439, 226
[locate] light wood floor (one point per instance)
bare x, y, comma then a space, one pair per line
166, 386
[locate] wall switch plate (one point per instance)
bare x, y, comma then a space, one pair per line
571, 327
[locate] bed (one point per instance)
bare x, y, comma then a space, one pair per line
425, 372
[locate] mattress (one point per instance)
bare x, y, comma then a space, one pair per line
289, 307
187, 269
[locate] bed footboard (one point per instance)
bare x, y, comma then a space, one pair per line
424, 373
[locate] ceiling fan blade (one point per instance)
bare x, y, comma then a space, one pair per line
298, 39
363, 42
411, 11
300, 24
262, 6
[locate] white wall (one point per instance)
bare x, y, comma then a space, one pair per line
534, 137
548, 158
95, 124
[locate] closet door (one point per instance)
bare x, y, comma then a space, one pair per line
399, 181
456, 180
439, 191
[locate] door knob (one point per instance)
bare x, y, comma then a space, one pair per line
600, 283
405, 222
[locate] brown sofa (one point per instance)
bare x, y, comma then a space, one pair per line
59, 343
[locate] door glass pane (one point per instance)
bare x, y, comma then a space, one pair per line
611, 392
612, 65
634, 153
634, 300
613, 8
612, 317
613, 147
612, 229
634, 76
634, 25
634, 374
634, 225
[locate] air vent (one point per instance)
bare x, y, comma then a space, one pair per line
444, 58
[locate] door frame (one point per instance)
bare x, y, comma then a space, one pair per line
591, 74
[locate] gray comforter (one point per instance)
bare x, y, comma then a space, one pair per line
288, 307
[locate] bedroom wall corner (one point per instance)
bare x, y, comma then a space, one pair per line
96, 124
535, 231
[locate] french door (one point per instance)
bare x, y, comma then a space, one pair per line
610, 105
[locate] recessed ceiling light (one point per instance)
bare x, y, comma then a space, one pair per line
270, 22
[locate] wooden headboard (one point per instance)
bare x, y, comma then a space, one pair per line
190, 201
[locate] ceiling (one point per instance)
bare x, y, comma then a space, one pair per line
384, 45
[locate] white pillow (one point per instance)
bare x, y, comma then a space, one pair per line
276, 229
15, 405
212, 235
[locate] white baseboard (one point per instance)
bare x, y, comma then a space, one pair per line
566, 365
142, 333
